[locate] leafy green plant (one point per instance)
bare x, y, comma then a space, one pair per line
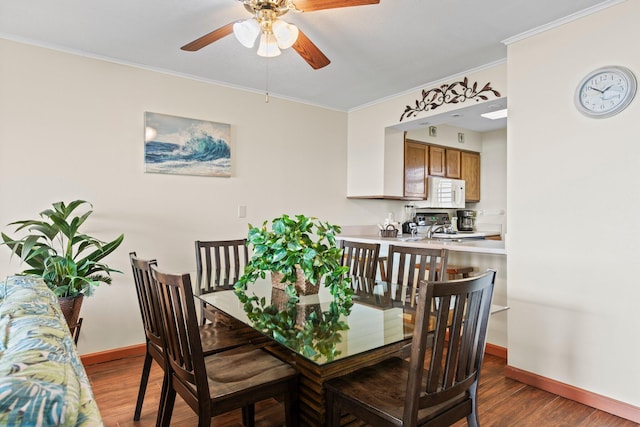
310, 245
301, 242
55, 249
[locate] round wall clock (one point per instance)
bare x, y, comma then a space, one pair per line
605, 92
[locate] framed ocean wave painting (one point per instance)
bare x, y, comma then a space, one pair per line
179, 145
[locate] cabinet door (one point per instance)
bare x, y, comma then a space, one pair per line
453, 163
436, 161
470, 172
415, 169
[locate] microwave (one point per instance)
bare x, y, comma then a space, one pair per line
444, 193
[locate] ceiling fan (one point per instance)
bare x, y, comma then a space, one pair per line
274, 33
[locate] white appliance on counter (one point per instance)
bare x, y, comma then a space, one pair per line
444, 193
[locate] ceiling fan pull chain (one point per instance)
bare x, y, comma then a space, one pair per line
266, 98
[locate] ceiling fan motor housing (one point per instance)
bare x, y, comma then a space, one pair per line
274, 7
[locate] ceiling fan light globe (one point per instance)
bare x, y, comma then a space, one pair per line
286, 34
268, 46
247, 32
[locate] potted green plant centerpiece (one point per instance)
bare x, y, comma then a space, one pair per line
68, 260
300, 254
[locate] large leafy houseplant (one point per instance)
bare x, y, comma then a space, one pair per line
293, 244
304, 243
68, 260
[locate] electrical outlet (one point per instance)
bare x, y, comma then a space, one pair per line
242, 211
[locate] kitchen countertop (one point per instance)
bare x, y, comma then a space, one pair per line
496, 247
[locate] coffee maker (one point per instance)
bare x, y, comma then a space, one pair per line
466, 220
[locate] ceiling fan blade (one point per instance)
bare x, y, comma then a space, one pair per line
207, 39
311, 5
310, 52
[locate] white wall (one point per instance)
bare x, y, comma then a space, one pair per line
572, 182
72, 127
492, 207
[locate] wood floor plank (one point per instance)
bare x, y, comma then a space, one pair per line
502, 402
561, 412
515, 409
603, 419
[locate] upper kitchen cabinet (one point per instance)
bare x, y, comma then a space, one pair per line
416, 159
445, 162
470, 172
452, 163
422, 160
437, 162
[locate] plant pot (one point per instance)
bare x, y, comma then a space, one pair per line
302, 286
71, 309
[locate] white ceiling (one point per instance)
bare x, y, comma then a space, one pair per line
376, 51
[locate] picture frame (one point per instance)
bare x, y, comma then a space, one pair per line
185, 146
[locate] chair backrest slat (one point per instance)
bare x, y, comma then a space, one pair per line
361, 258
406, 266
219, 264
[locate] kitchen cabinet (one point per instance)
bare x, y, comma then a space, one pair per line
452, 163
437, 165
470, 172
416, 157
422, 160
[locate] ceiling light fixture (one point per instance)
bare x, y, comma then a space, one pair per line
495, 115
275, 34
268, 46
246, 32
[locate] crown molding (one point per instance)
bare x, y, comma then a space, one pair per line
562, 21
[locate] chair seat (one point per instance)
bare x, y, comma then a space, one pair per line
383, 387
258, 369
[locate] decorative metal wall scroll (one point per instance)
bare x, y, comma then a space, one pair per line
449, 94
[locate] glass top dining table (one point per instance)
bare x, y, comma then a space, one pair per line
314, 330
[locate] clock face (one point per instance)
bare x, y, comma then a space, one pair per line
605, 92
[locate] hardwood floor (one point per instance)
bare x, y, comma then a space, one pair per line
502, 401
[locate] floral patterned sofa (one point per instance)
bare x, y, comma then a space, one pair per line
42, 381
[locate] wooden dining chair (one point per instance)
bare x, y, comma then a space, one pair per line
361, 258
219, 265
220, 382
438, 385
214, 339
408, 265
